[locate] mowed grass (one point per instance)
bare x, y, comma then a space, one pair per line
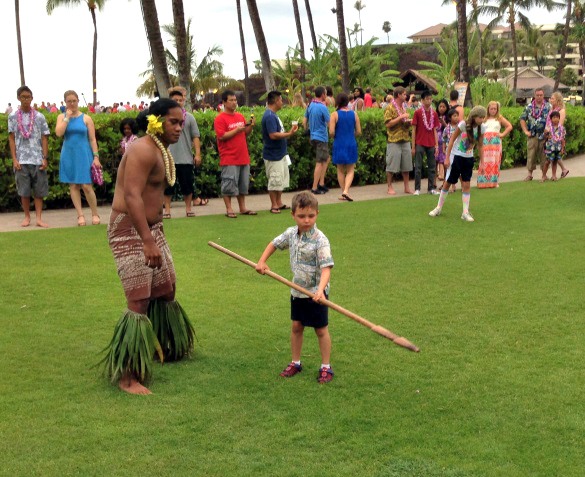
495, 306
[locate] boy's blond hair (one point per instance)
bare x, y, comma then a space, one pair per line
304, 199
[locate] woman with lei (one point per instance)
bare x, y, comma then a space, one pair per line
488, 176
154, 322
79, 153
558, 104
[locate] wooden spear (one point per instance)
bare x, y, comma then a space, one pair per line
399, 340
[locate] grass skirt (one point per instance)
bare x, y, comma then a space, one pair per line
132, 348
173, 329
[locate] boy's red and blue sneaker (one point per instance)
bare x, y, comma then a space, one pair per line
325, 375
291, 370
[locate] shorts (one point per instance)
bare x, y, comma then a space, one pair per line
235, 180
553, 156
321, 150
398, 157
277, 174
185, 178
461, 166
309, 312
31, 181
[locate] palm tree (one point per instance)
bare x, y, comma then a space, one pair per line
92, 5
18, 40
342, 45
462, 40
311, 25
359, 6
262, 46
157, 49
386, 27
578, 35
511, 10
301, 40
243, 44
475, 19
566, 30
182, 52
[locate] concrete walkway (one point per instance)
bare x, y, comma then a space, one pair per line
10, 222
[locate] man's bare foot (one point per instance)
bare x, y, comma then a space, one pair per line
391, 192
408, 191
132, 386
42, 224
25, 222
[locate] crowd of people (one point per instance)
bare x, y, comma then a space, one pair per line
154, 165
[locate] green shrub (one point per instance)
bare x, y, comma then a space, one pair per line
370, 168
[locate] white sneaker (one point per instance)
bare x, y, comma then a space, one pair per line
467, 217
436, 211
416, 192
433, 192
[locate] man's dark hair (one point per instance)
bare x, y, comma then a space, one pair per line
319, 90
454, 95
398, 91
160, 107
22, 89
425, 94
273, 96
226, 94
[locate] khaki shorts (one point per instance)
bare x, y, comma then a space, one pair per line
398, 157
277, 174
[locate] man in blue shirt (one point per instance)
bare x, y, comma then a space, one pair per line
276, 159
317, 118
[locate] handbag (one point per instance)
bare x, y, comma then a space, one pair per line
97, 176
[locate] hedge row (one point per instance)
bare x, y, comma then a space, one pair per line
369, 169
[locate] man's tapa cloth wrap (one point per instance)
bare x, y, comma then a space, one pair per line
140, 282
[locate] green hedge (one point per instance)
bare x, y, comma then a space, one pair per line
369, 169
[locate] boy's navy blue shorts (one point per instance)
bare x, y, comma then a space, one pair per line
308, 312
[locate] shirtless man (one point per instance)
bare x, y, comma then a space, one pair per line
141, 252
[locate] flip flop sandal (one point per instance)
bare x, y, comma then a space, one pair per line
231, 215
275, 210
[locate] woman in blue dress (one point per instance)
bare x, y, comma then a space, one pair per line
344, 126
78, 153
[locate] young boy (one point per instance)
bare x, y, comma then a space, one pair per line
554, 147
311, 263
29, 148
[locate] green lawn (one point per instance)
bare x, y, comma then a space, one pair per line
495, 306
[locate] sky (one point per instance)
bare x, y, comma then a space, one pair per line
57, 48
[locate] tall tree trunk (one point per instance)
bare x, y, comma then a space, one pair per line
94, 59
301, 43
462, 47
342, 47
462, 40
182, 50
244, 59
19, 42
561, 65
311, 25
262, 46
512, 22
479, 35
157, 49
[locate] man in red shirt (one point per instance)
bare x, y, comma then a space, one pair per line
231, 130
424, 141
